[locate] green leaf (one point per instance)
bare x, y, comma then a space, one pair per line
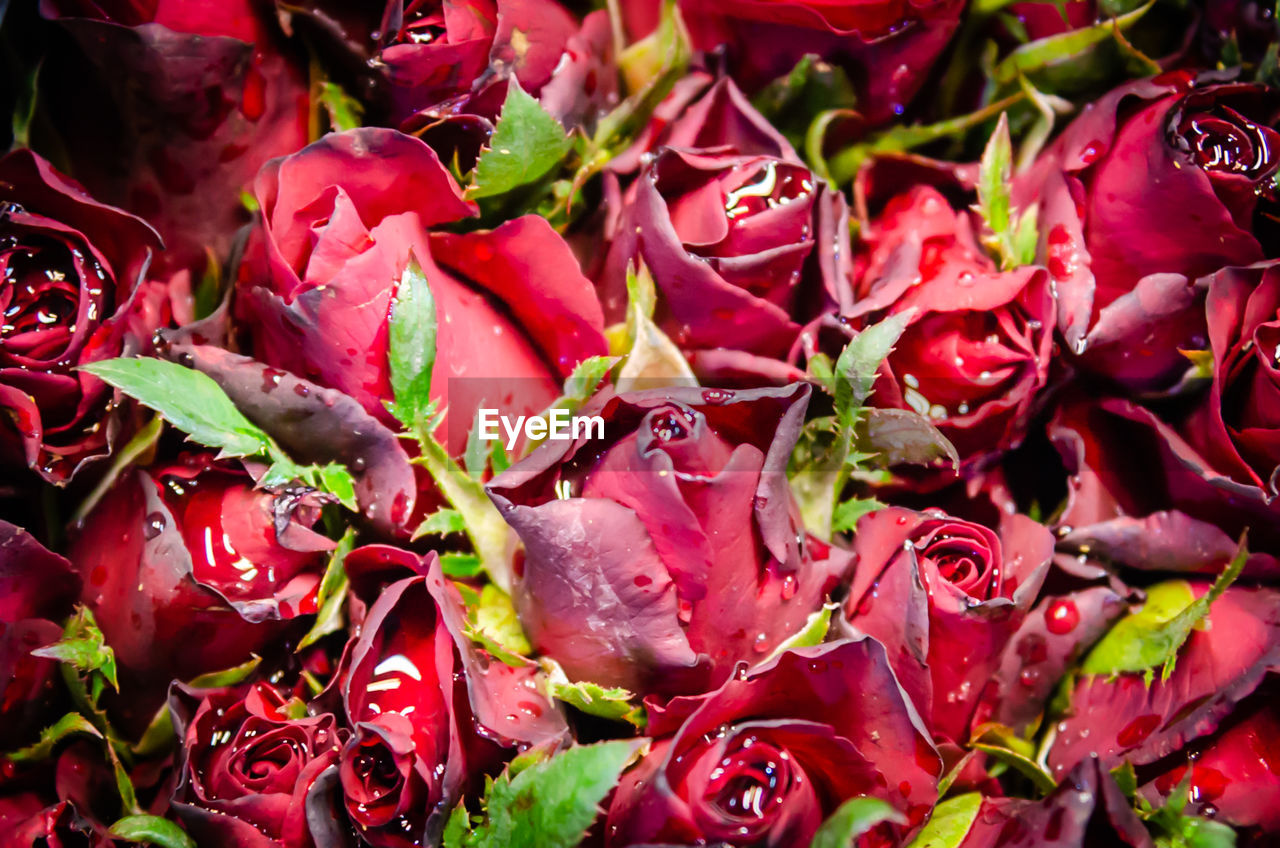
1171, 828
551, 804
852, 819
822, 369
337, 481
585, 379
1007, 747
847, 513
1026, 237
814, 631
457, 829
1037, 56
1126, 778
526, 144
442, 522
1151, 636
152, 830
855, 370
84, 648
613, 703
345, 112
141, 443
332, 593
994, 171
188, 399
949, 823
158, 737
460, 565
226, 677
71, 724
475, 458
493, 623
411, 347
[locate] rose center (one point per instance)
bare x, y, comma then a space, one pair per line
750, 784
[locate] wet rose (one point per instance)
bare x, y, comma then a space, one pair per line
944, 596
737, 232
70, 266
1119, 717
342, 221
886, 49
37, 588
1153, 187
679, 516
428, 711
189, 568
249, 763
975, 353
168, 109
767, 757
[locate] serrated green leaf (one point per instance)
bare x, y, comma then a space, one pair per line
460, 565
949, 823
227, 676
411, 347
152, 830
527, 142
586, 378
1002, 744
994, 171
1150, 637
613, 703
814, 631
332, 594
186, 398
71, 724
852, 819
1036, 56
652, 359
442, 522
475, 457
551, 804
493, 623
457, 829
84, 648
337, 481
344, 111
1172, 828
847, 513
856, 367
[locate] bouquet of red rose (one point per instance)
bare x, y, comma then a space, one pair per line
639, 424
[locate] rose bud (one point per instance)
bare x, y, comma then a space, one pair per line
1235, 773
169, 109
247, 765
885, 48
944, 596
188, 569
767, 757
37, 589
1126, 243
428, 714
738, 235
975, 353
342, 221
1124, 717
681, 516
71, 266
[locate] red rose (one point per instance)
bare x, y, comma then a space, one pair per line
428, 712
740, 236
664, 554
248, 767
944, 596
764, 759
1153, 187
975, 354
343, 218
886, 48
188, 569
71, 266
169, 109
